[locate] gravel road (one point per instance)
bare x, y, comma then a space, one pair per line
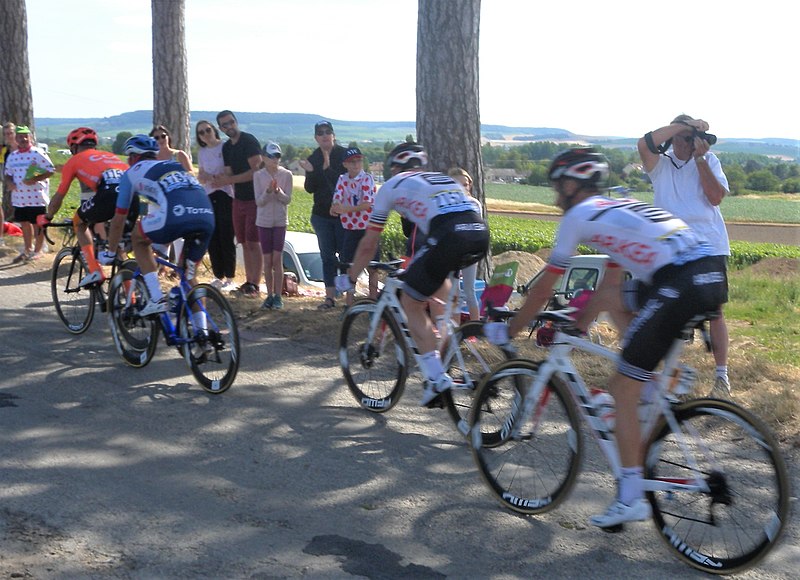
114, 472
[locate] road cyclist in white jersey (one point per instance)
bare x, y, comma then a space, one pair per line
457, 236
675, 279
178, 207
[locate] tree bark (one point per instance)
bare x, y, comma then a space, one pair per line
170, 71
16, 97
448, 113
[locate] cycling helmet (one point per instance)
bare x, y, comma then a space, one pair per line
81, 134
140, 144
582, 163
408, 156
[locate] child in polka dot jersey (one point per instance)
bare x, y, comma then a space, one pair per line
352, 202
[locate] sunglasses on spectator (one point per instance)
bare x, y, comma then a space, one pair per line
227, 124
322, 132
274, 156
206, 131
160, 137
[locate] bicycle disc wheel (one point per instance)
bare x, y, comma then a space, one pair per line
468, 358
74, 305
375, 367
134, 337
212, 355
530, 466
740, 519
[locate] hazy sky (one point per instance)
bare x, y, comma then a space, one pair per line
618, 67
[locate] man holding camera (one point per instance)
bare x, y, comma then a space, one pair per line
688, 181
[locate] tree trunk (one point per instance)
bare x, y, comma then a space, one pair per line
170, 71
16, 98
448, 115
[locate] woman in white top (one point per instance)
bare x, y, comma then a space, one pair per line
222, 248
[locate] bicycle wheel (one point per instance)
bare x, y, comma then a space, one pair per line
375, 367
740, 520
134, 337
533, 471
74, 305
468, 358
212, 355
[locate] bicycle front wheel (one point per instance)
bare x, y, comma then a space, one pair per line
468, 358
739, 520
211, 353
134, 337
529, 462
74, 305
374, 365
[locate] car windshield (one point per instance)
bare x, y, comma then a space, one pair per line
312, 266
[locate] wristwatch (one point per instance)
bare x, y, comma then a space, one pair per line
700, 158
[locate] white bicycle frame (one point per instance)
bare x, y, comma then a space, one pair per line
559, 363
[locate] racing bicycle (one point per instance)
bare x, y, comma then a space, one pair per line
375, 347
714, 473
212, 353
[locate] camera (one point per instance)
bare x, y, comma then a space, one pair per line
707, 137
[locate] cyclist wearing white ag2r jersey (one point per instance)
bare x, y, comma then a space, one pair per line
457, 236
675, 279
178, 208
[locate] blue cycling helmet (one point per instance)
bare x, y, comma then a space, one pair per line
140, 144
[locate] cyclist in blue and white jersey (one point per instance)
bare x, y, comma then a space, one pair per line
675, 279
178, 206
457, 236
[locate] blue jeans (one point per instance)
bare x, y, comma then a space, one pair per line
330, 235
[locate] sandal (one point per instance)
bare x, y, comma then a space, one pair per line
327, 305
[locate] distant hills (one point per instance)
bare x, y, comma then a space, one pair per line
297, 129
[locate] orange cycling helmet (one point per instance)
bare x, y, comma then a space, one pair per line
81, 134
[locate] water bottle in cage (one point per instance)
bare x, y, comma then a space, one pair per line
604, 403
682, 380
175, 300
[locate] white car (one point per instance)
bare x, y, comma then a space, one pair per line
301, 256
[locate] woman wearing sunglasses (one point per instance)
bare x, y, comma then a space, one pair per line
221, 249
165, 150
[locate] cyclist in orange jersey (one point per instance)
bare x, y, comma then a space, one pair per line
99, 172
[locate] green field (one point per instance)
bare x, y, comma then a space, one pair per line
780, 209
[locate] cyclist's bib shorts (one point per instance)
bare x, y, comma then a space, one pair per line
664, 307
101, 206
188, 212
456, 240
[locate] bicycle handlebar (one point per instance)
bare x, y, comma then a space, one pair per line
63, 224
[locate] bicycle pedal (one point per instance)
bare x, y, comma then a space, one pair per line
614, 529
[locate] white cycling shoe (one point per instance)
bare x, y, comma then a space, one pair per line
619, 513
154, 307
434, 389
91, 278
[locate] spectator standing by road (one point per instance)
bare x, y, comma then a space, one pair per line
352, 203
273, 191
27, 176
9, 146
323, 168
221, 248
688, 181
242, 156
165, 151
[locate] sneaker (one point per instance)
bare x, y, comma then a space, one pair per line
154, 307
619, 513
91, 278
249, 290
216, 283
277, 302
22, 257
268, 303
433, 390
34, 256
721, 389
228, 286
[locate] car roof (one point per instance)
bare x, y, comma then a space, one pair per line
302, 242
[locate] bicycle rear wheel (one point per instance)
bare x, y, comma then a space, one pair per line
375, 367
134, 337
533, 471
468, 358
740, 520
74, 305
213, 354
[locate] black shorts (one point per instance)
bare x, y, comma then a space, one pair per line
101, 206
29, 213
455, 241
664, 307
